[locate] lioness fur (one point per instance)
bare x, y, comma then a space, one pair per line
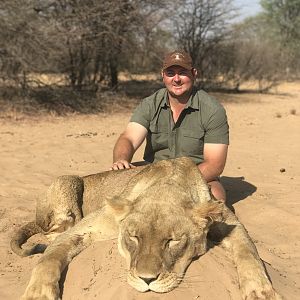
160, 213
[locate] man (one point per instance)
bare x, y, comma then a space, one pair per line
178, 120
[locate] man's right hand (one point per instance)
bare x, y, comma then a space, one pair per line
122, 164
126, 145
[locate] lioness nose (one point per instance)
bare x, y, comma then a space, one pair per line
148, 280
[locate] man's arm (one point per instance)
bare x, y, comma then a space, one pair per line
214, 161
126, 145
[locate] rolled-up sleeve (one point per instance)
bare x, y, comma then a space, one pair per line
217, 128
141, 114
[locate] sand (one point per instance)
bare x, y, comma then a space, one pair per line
262, 179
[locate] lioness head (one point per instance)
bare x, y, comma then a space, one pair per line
159, 242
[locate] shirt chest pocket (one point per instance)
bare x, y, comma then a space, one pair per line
159, 138
191, 142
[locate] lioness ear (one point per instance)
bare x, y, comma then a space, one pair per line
210, 211
120, 207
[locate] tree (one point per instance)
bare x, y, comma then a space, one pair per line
201, 26
152, 37
248, 54
23, 43
94, 34
86, 40
283, 18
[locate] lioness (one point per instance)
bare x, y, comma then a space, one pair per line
161, 214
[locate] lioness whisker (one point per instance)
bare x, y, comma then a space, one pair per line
192, 276
183, 288
192, 281
118, 277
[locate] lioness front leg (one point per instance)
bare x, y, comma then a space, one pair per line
253, 280
44, 282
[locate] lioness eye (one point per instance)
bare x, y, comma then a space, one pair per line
134, 239
173, 243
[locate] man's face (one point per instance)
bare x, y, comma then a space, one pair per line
178, 80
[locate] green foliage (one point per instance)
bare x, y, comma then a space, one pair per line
249, 54
283, 20
284, 16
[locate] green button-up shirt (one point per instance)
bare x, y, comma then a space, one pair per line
203, 120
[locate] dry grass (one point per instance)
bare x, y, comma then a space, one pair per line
58, 100
125, 76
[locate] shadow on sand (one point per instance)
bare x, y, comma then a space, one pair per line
237, 189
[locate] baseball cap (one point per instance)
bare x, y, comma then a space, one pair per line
178, 58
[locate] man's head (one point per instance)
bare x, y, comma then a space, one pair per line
178, 74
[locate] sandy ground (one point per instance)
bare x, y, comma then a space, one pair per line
262, 178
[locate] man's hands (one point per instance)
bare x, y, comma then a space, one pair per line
122, 164
126, 145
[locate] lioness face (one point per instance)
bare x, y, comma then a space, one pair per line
159, 247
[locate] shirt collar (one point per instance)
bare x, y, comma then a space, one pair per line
192, 102
165, 101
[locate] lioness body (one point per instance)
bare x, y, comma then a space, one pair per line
161, 214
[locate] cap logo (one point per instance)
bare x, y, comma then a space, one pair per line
178, 58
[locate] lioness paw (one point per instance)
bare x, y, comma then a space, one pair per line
41, 292
264, 293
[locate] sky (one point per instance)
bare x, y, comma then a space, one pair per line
248, 7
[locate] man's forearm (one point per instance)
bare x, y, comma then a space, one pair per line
123, 150
209, 171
